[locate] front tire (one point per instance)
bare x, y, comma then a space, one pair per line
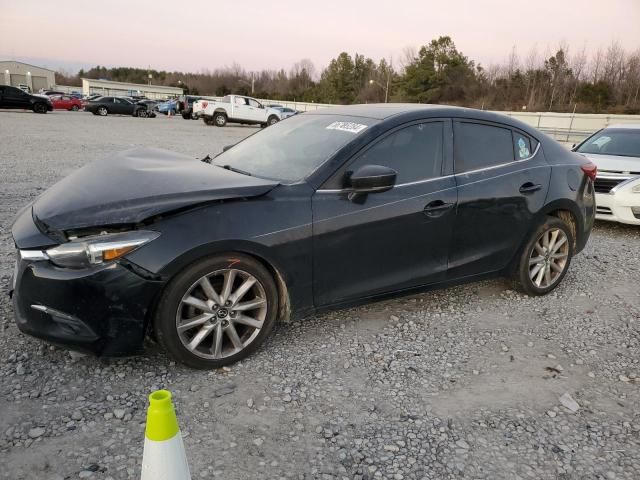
40, 108
217, 311
546, 257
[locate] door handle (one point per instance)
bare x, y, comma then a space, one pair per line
436, 208
530, 187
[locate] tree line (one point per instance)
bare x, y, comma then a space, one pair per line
607, 80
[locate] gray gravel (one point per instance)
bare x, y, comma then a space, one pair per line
458, 383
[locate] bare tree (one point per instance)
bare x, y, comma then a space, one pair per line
578, 64
409, 55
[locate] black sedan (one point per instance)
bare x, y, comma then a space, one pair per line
13, 98
326, 210
104, 106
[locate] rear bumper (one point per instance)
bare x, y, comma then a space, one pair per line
621, 206
102, 310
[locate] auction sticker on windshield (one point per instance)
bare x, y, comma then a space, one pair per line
346, 127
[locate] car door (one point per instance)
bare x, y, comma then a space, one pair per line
386, 241
3, 101
109, 103
65, 102
16, 98
241, 109
257, 112
119, 106
502, 180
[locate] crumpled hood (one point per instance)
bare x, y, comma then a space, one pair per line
615, 163
134, 185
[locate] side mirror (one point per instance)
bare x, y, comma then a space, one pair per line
573, 147
373, 179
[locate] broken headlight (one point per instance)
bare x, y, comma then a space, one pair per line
87, 251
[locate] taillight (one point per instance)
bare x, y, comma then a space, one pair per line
590, 170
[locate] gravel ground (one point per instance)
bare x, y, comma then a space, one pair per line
458, 383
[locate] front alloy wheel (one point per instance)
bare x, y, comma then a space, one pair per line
217, 311
221, 314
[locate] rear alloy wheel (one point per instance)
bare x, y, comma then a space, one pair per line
217, 312
273, 120
75, 108
142, 113
219, 119
102, 111
546, 258
40, 108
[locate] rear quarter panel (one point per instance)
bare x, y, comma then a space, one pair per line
569, 188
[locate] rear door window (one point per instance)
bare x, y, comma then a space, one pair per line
478, 145
523, 145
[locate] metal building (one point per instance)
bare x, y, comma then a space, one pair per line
107, 87
34, 77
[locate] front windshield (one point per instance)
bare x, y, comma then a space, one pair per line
289, 151
623, 142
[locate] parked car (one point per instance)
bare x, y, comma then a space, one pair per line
167, 107
329, 209
186, 105
285, 112
239, 109
616, 152
145, 108
15, 98
65, 102
104, 106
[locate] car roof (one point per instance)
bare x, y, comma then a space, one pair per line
411, 111
629, 126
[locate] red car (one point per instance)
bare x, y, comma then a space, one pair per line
65, 102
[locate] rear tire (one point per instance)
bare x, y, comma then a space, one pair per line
75, 108
219, 119
205, 325
545, 259
103, 112
272, 120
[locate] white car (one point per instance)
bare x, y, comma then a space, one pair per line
240, 109
616, 152
285, 112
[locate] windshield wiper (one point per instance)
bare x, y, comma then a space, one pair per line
237, 170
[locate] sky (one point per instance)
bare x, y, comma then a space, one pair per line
206, 34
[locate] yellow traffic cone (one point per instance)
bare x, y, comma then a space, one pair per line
164, 457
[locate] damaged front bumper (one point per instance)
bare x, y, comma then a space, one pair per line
101, 310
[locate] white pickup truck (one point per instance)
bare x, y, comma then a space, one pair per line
239, 109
